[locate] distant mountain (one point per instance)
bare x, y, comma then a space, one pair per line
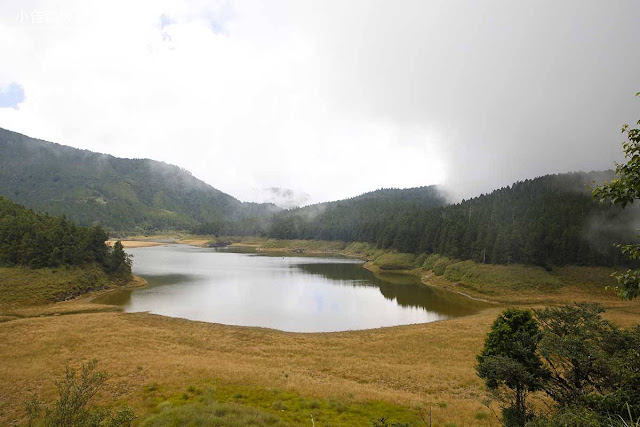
550, 220
123, 195
356, 219
337, 220
424, 196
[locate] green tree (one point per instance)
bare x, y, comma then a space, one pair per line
509, 363
623, 190
593, 364
120, 263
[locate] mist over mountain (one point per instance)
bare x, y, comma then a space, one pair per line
125, 195
549, 220
286, 198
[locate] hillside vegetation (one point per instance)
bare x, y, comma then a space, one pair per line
20, 286
122, 195
44, 258
331, 220
547, 221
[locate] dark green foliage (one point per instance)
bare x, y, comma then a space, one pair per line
546, 221
34, 240
119, 265
589, 367
75, 391
372, 217
593, 364
251, 226
509, 363
623, 190
574, 416
122, 195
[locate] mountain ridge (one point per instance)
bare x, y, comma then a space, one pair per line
133, 195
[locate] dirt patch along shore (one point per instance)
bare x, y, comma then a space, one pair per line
136, 243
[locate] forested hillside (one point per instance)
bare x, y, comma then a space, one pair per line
551, 220
35, 240
332, 220
123, 195
357, 219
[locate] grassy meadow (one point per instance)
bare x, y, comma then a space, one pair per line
173, 371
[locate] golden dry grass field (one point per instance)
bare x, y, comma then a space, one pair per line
346, 378
408, 365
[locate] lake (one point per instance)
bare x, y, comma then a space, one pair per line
285, 292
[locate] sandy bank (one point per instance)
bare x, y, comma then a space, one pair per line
136, 243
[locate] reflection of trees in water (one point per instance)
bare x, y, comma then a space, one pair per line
408, 291
169, 279
354, 272
122, 297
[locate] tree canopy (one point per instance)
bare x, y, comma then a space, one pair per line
121, 195
509, 361
624, 190
38, 240
546, 221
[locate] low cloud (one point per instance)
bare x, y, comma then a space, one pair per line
283, 197
331, 98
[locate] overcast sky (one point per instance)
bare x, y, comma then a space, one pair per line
328, 98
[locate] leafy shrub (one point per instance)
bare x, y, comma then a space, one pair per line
440, 265
75, 391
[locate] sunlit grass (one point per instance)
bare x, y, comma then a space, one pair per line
220, 404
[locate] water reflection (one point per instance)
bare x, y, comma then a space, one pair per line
292, 293
406, 290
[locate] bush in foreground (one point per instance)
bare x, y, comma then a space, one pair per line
589, 367
75, 391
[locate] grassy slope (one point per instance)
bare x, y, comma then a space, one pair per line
352, 376
19, 286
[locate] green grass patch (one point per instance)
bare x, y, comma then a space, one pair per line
208, 412
19, 285
491, 278
481, 415
363, 249
232, 405
588, 277
437, 263
306, 245
395, 261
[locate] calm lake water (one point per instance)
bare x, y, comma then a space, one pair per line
290, 293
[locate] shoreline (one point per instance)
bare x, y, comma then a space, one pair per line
130, 244
490, 283
153, 358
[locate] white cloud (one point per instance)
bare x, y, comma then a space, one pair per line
329, 98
